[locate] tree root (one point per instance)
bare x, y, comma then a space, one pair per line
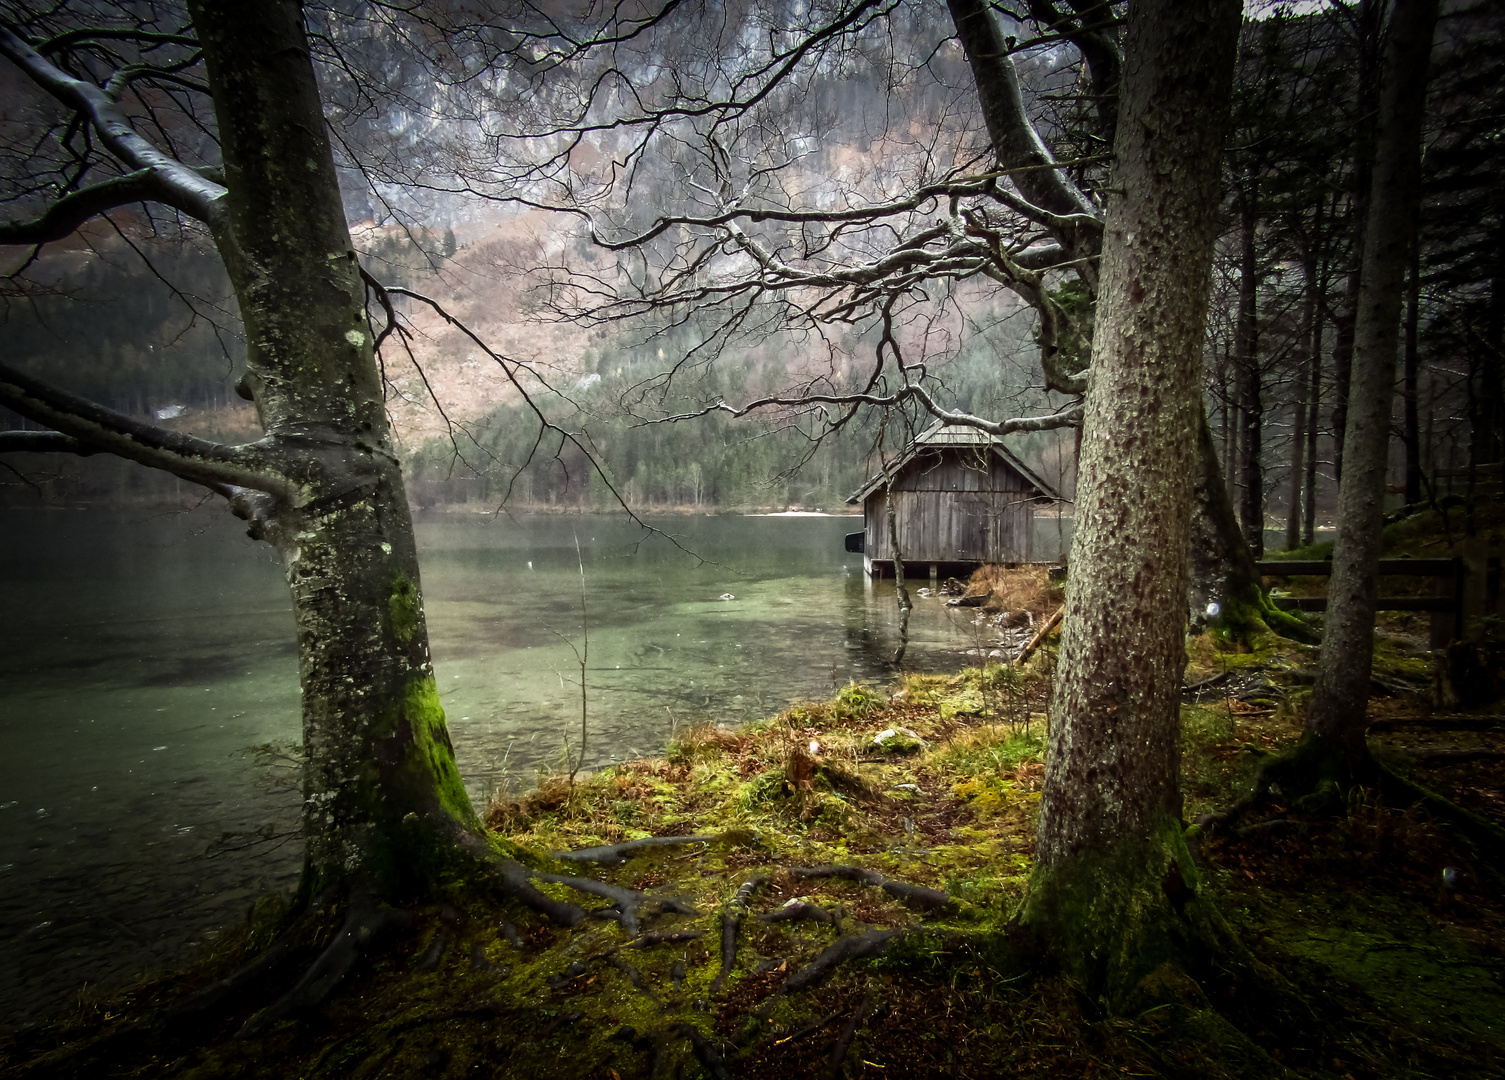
851, 947
1445, 755
1436, 722
366, 924
708, 1056
797, 911
918, 896
731, 922
435, 952
626, 902
512, 877
1312, 774
227, 991
635, 977
617, 854
848, 1032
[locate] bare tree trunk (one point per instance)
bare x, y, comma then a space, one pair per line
1338, 712
1311, 328
380, 781
1366, 107
1314, 387
1412, 426
901, 591
1226, 593
1298, 464
1250, 395
1488, 442
1114, 891
1231, 424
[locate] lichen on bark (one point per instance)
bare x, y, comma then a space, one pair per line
1110, 813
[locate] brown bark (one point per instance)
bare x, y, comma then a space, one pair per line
1365, 109
1411, 427
1250, 391
1336, 718
1108, 819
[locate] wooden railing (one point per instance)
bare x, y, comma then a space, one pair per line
1446, 603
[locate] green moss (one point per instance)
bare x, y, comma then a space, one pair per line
1309, 553
404, 608
1397, 950
431, 750
1115, 914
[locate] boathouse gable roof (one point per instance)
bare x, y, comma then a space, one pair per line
940, 437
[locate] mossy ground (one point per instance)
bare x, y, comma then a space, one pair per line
1404, 969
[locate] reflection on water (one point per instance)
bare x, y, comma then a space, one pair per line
143, 655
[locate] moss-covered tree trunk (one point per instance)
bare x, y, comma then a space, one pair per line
1338, 714
1225, 593
380, 782
1111, 889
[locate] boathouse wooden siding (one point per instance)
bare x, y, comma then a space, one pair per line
959, 497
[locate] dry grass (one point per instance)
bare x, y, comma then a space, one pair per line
1016, 589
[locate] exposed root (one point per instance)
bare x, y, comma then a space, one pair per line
851, 947
635, 977
225, 993
919, 896
848, 1032
797, 911
1487, 838
1312, 776
1447, 755
365, 925
617, 854
626, 902
435, 952
731, 922
513, 879
705, 1053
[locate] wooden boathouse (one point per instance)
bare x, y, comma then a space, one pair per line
961, 498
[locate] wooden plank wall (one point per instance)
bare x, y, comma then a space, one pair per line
955, 507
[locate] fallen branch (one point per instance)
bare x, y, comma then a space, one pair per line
1040, 636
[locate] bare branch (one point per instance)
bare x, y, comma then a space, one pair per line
171, 182
209, 463
65, 215
43, 442
1067, 417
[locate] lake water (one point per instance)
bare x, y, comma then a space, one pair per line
146, 654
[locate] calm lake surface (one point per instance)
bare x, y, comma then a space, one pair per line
147, 655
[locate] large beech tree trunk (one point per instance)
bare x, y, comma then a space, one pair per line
380, 782
1338, 713
383, 802
1111, 889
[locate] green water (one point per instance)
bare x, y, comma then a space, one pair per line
145, 654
